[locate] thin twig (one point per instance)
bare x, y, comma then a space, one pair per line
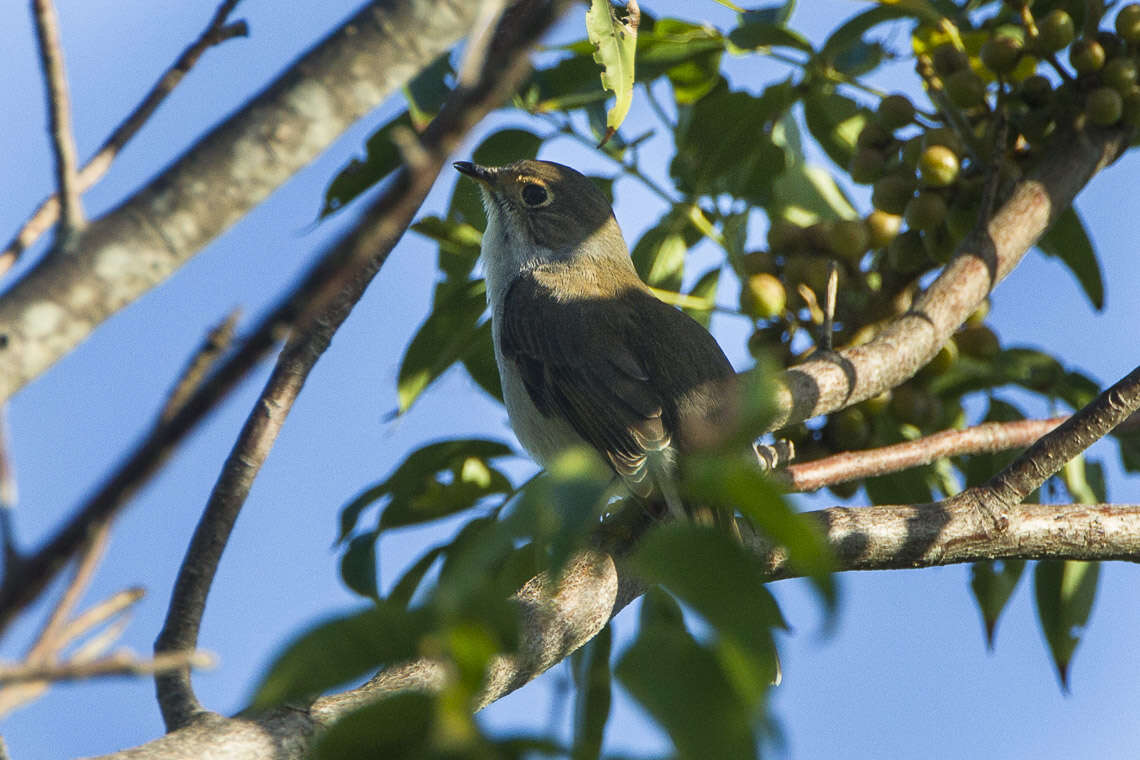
117, 664
855, 465
9, 495
51, 640
59, 111
200, 364
217, 32
101, 612
1049, 454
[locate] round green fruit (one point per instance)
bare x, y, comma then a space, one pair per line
1120, 74
763, 296
965, 88
1000, 54
892, 193
1104, 106
1130, 116
873, 136
895, 112
1128, 23
925, 211
906, 254
1056, 31
1036, 90
866, 166
882, 228
979, 342
848, 239
948, 59
848, 430
938, 166
943, 136
784, 235
1087, 56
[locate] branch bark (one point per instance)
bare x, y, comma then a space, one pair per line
217, 181
558, 617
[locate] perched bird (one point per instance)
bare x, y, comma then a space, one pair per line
586, 352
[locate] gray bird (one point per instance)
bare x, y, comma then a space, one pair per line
586, 352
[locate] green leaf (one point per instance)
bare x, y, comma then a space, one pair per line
358, 565
479, 361
590, 666
340, 650
405, 588
615, 48
443, 339
1084, 480
705, 290
835, 122
399, 726
683, 686
1129, 442
459, 243
1065, 591
805, 194
381, 159
850, 33
712, 573
993, 583
742, 159
659, 255
757, 31
428, 91
417, 480
736, 483
1068, 241
907, 487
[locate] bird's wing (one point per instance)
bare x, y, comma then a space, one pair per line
588, 361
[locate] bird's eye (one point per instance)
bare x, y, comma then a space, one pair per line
534, 195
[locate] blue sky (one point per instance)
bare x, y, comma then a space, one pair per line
905, 671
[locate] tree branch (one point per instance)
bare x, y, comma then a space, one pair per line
218, 180
47, 212
117, 664
855, 465
1074, 435
59, 112
560, 617
982, 260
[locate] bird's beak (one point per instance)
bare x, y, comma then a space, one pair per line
482, 174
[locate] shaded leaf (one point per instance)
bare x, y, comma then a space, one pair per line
615, 48
590, 666
682, 685
443, 339
417, 479
993, 583
736, 483
358, 565
705, 290
340, 650
428, 90
405, 588
1068, 241
715, 575
723, 146
835, 122
805, 194
659, 254
759, 30
850, 33
400, 726
381, 158
1065, 591
459, 242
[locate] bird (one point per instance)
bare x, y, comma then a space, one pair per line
587, 354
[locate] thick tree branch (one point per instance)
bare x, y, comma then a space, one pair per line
983, 259
59, 112
217, 181
47, 212
560, 617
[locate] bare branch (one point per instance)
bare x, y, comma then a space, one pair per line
854, 465
983, 259
117, 664
47, 212
200, 364
1073, 436
51, 639
59, 110
218, 180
